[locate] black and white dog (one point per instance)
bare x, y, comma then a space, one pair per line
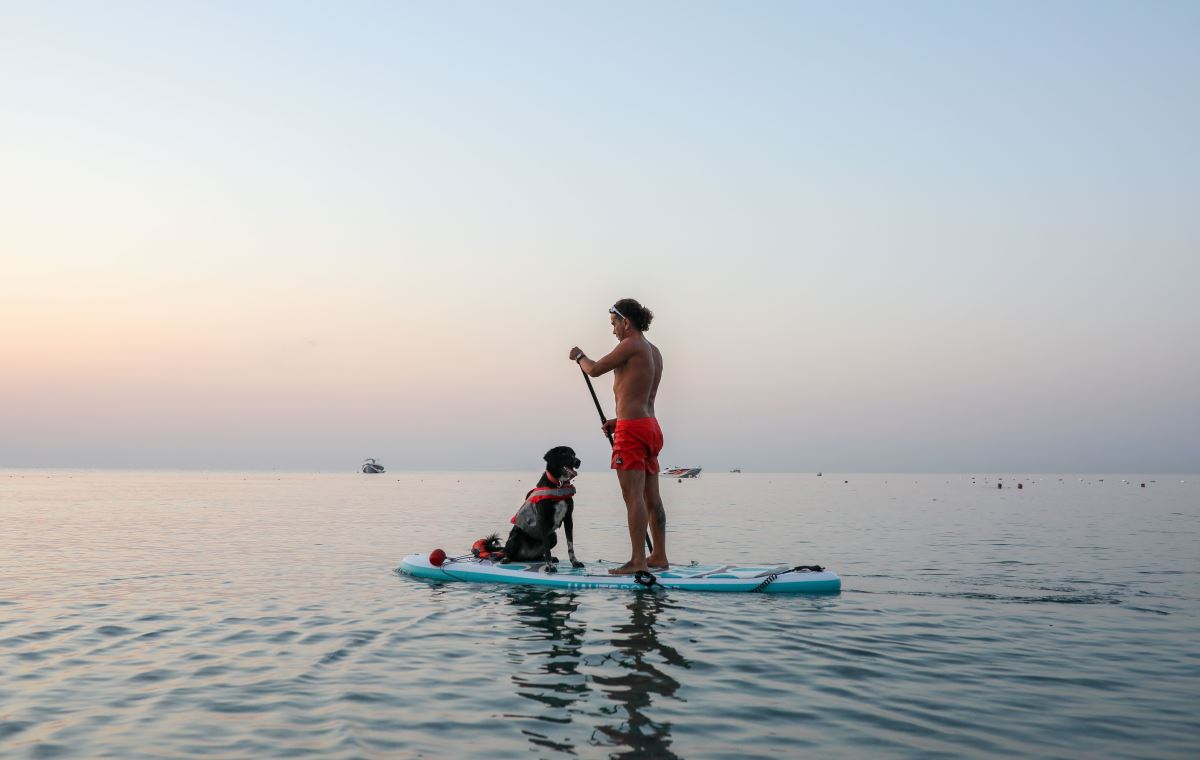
546, 507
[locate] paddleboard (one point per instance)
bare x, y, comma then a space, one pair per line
768, 579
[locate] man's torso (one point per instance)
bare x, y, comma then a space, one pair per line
635, 383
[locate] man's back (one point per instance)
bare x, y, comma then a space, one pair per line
636, 379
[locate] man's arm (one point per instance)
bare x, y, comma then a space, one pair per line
608, 362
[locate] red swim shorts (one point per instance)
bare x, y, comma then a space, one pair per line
636, 444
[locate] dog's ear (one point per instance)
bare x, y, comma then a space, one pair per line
559, 453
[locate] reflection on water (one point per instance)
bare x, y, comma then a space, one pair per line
636, 645
555, 653
618, 686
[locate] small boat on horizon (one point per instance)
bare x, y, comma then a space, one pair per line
681, 472
371, 467
736, 469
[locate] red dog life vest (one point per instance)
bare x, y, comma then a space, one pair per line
526, 516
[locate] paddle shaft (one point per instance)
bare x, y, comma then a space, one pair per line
599, 410
611, 443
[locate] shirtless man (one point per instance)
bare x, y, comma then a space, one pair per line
637, 438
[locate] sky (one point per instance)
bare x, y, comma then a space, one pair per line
877, 237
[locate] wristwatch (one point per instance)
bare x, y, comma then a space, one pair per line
580, 358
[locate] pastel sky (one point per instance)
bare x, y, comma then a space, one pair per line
929, 236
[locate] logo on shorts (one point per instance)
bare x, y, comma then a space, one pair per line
620, 461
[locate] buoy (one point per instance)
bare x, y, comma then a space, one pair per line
437, 557
1020, 485
999, 485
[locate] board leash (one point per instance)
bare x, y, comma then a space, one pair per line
797, 569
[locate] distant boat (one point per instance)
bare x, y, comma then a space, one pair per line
735, 469
681, 472
371, 467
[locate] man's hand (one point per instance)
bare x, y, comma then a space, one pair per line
575, 354
609, 427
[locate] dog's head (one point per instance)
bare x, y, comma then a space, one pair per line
562, 463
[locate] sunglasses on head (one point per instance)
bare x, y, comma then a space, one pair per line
613, 310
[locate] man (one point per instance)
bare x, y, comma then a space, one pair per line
637, 438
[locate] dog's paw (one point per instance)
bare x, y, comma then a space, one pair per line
576, 563
550, 568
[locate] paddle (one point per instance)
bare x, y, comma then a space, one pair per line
611, 443
599, 410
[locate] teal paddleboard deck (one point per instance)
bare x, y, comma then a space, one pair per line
767, 579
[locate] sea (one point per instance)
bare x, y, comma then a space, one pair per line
262, 614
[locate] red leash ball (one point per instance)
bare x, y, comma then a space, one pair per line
437, 557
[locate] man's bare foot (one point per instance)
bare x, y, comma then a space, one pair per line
627, 569
658, 563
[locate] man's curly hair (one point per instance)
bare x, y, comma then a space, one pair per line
639, 315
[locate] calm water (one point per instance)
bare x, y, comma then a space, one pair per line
254, 614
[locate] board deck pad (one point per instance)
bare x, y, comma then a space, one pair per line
743, 578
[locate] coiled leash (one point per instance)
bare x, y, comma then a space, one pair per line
644, 578
797, 569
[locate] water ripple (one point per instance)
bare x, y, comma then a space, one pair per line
217, 618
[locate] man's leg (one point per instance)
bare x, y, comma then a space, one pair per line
658, 523
633, 486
